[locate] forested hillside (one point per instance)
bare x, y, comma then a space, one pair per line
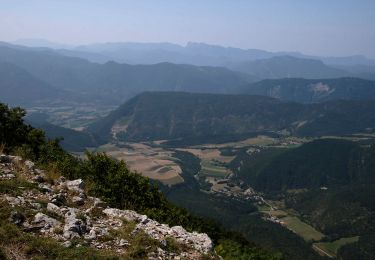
330, 182
153, 116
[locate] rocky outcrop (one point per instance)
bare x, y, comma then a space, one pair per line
154, 229
64, 212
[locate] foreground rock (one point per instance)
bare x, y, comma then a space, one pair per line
64, 212
154, 229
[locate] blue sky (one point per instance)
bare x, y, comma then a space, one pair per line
319, 27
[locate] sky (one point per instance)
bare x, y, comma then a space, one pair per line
316, 27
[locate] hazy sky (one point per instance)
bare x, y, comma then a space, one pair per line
320, 27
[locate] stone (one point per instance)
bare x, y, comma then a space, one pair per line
123, 242
98, 203
15, 159
5, 159
17, 218
54, 209
13, 201
39, 172
76, 185
47, 221
67, 244
36, 205
58, 199
30, 165
129, 215
6, 171
8, 176
73, 227
45, 188
38, 178
199, 241
78, 201
61, 180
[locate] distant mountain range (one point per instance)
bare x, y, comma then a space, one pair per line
313, 91
199, 54
64, 76
289, 67
202, 54
172, 115
113, 82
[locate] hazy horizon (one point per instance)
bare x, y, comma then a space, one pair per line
321, 28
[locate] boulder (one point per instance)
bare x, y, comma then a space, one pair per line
15, 159
45, 188
98, 203
76, 185
129, 215
45, 220
73, 227
54, 209
30, 165
15, 201
38, 178
67, 244
5, 159
78, 201
59, 199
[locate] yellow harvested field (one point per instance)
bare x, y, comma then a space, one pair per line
154, 163
259, 140
208, 154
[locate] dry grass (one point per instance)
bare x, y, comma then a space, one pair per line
20, 168
2, 148
52, 173
14, 251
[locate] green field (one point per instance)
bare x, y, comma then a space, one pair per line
307, 232
210, 168
332, 247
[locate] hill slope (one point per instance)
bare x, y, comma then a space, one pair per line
73, 141
329, 182
289, 67
18, 87
168, 115
313, 91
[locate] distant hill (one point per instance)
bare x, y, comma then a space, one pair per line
200, 54
330, 182
324, 162
168, 115
73, 141
313, 91
113, 82
18, 87
288, 67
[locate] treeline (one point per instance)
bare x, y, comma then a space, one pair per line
116, 184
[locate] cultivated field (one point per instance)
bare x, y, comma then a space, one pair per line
212, 162
304, 230
155, 163
331, 248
